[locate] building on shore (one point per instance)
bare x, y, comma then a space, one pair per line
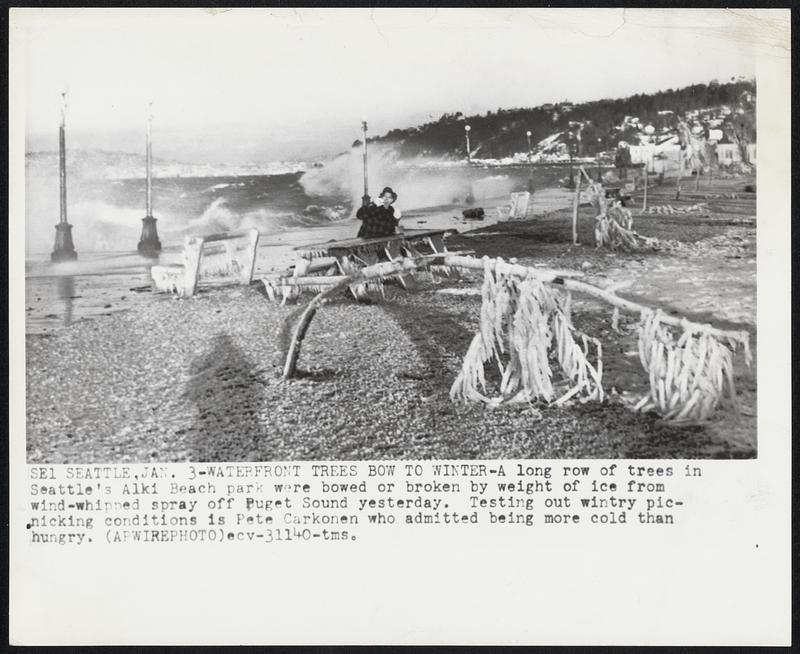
657, 157
728, 154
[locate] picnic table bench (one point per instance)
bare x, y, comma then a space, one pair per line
517, 209
211, 260
367, 249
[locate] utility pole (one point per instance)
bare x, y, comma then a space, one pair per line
64, 249
149, 245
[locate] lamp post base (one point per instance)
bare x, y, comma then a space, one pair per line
64, 250
364, 200
149, 245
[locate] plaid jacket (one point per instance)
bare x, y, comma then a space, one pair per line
376, 221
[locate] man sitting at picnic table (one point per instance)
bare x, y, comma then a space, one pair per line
379, 220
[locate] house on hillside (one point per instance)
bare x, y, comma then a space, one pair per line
659, 157
728, 154
643, 154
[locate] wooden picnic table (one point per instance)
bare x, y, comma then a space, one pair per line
320, 262
370, 248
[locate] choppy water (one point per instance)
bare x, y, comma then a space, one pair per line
106, 213
288, 210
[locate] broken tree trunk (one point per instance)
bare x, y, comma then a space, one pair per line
378, 270
388, 269
567, 279
302, 325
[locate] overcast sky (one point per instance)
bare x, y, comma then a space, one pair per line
261, 84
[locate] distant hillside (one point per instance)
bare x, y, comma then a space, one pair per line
584, 129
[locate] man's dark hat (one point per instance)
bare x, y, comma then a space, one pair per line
389, 190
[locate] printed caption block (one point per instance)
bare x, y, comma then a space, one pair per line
301, 502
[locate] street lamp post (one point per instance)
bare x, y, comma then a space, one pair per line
530, 162
149, 245
467, 129
365, 197
599, 175
64, 250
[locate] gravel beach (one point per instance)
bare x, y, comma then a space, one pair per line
199, 379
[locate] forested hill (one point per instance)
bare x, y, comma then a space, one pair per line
588, 128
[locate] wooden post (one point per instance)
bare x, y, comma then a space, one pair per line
571, 171
575, 211
644, 201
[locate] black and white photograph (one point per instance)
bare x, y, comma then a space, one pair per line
422, 326
416, 234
